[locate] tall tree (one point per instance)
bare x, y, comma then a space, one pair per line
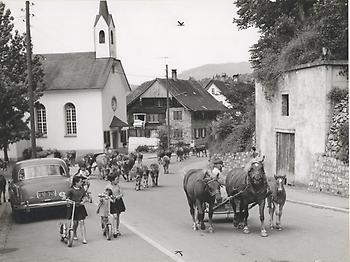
293, 32
14, 101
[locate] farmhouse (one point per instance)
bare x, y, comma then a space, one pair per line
191, 110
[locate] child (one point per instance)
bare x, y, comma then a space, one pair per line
117, 205
84, 174
77, 194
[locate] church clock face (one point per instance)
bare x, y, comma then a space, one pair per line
114, 103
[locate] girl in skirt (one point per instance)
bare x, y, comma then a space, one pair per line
77, 194
117, 204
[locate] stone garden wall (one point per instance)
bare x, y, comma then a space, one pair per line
329, 175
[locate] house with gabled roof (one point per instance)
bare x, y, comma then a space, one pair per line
191, 109
218, 89
84, 105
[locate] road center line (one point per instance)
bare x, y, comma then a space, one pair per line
151, 241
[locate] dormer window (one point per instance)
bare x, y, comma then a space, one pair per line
101, 37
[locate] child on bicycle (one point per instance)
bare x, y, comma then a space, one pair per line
117, 204
77, 194
103, 207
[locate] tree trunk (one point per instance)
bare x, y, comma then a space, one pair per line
6, 157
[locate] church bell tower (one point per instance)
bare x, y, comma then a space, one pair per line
104, 33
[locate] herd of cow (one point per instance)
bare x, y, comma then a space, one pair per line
130, 166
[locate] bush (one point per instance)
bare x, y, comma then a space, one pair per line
143, 148
27, 153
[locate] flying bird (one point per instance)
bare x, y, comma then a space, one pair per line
180, 23
178, 252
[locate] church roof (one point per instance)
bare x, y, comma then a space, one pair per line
187, 92
73, 71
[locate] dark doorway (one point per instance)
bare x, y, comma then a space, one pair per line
115, 139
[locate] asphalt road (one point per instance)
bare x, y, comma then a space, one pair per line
157, 223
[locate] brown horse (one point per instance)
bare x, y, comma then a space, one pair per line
276, 200
201, 189
247, 187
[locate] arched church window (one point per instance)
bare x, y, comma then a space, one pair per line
71, 119
112, 37
102, 37
41, 125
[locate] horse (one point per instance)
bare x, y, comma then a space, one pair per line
200, 189
276, 200
165, 163
246, 187
2, 187
154, 172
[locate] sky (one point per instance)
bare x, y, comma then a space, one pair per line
146, 32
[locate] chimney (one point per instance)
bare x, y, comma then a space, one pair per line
173, 74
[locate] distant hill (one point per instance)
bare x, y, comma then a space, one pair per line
210, 70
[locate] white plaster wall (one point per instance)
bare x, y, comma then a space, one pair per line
308, 116
89, 120
134, 142
118, 87
102, 50
218, 95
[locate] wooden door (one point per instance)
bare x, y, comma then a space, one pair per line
285, 155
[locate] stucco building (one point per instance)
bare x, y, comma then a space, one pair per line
293, 126
84, 105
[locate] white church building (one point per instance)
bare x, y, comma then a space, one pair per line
84, 105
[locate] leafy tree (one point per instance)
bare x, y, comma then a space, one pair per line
293, 32
234, 129
14, 99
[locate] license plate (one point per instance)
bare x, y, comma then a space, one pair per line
46, 194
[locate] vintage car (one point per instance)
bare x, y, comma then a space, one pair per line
38, 183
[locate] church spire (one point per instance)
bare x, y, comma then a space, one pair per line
104, 32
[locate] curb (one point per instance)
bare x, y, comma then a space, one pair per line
344, 210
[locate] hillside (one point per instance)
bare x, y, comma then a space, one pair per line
210, 70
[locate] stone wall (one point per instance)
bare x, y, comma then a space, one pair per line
329, 175
340, 117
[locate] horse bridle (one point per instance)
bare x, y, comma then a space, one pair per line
209, 182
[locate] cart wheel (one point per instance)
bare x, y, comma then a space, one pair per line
109, 231
70, 238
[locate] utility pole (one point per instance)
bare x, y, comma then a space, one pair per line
30, 81
167, 104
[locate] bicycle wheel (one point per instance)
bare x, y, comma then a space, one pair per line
70, 238
109, 231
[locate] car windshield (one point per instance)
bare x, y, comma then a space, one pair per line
40, 171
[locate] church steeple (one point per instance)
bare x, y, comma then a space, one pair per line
104, 33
